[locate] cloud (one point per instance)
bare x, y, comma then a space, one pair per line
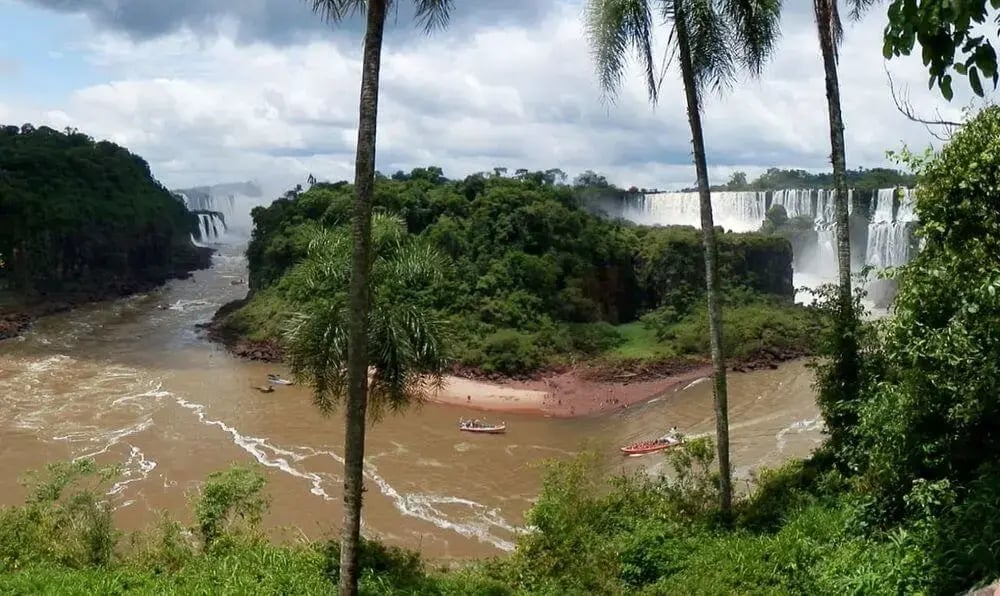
204, 108
281, 22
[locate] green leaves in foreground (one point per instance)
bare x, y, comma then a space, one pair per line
406, 341
952, 39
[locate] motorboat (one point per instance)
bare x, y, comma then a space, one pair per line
652, 446
483, 427
276, 380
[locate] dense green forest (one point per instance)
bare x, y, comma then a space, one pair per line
85, 217
781, 179
531, 278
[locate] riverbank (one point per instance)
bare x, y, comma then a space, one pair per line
18, 313
594, 387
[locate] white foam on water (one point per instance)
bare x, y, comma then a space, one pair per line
187, 305
423, 506
281, 459
798, 427
135, 469
694, 383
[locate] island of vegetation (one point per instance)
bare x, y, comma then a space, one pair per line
528, 281
83, 220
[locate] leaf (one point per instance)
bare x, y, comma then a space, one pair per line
977, 85
945, 86
961, 68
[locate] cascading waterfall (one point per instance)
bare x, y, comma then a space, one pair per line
887, 243
889, 233
233, 202
210, 226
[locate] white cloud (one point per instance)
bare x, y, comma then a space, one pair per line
207, 110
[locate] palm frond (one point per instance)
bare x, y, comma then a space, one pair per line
709, 35
859, 7
412, 265
755, 30
433, 14
388, 233
407, 356
614, 28
315, 343
335, 11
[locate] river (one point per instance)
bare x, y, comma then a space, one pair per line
129, 383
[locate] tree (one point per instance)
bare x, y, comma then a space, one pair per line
432, 14
839, 412
944, 28
737, 180
404, 342
711, 39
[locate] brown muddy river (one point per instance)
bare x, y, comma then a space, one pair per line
132, 384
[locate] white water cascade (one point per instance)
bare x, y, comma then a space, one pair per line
212, 226
888, 236
233, 201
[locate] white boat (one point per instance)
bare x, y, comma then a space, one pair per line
470, 426
276, 380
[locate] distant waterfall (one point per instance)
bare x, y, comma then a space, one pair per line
890, 238
887, 241
211, 226
233, 202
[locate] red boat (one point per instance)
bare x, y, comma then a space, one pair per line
470, 426
644, 447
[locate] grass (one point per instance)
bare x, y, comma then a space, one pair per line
641, 343
747, 328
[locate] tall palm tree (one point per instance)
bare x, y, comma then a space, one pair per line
712, 41
432, 14
847, 363
404, 342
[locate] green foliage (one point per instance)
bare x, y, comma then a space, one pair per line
944, 28
230, 503
63, 520
932, 414
529, 268
867, 179
752, 326
78, 215
406, 338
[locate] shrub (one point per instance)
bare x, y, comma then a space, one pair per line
510, 352
230, 503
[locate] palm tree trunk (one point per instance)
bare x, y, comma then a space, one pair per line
827, 42
357, 343
711, 263
847, 364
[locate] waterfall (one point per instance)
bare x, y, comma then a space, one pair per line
741, 211
233, 201
209, 226
889, 232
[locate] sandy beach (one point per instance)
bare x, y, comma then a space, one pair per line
563, 395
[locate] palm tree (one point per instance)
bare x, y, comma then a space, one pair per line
431, 14
712, 40
403, 342
847, 363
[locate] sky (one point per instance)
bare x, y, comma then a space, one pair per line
212, 91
